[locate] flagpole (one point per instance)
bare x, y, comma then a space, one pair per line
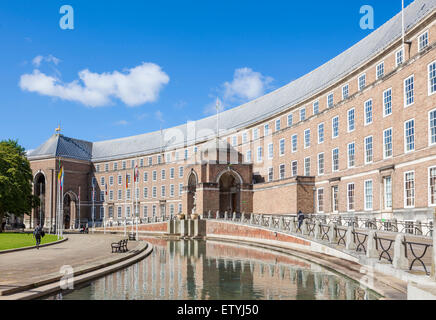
79, 209
93, 209
133, 198
136, 195
402, 21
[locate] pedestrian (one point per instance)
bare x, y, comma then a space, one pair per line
300, 217
37, 233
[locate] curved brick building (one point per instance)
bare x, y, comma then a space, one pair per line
357, 135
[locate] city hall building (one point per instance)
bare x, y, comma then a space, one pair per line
355, 136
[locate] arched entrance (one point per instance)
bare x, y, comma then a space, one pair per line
70, 214
39, 191
192, 189
230, 192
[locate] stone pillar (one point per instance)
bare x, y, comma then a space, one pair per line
199, 228
217, 215
332, 233
371, 247
252, 218
183, 228
293, 225
418, 228
170, 227
317, 230
191, 227
399, 260
350, 243
226, 215
234, 216
304, 228
281, 223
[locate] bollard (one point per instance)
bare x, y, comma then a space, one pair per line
317, 230
399, 260
371, 249
350, 243
332, 233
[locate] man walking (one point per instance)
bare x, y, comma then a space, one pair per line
300, 217
37, 233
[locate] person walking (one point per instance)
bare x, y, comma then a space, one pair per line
37, 233
300, 217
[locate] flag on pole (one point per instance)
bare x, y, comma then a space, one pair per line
136, 173
217, 104
127, 181
106, 188
61, 177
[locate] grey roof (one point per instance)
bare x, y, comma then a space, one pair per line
273, 103
61, 146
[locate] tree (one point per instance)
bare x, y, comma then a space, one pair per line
15, 181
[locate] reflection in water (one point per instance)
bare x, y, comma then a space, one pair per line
203, 270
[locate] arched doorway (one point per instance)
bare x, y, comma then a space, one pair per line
69, 206
230, 192
192, 189
39, 191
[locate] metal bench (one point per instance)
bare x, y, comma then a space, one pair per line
120, 246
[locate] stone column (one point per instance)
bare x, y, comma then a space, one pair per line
226, 215
252, 218
317, 230
332, 233
293, 226
399, 260
371, 247
304, 228
234, 216
170, 227
350, 243
281, 223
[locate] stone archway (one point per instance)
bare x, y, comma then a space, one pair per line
39, 187
229, 192
70, 210
192, 191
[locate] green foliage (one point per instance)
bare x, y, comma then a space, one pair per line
15, 180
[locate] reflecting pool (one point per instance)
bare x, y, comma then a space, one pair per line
203, 270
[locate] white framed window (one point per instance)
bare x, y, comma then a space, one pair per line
248, 156
102, 180
320, 198
351, 155
172, 173
120, 194
266, 130
432, 127
330, 100
282, 147
368, 112
409, 189
282, 172
145, 211
335, 160
141, 162
294, 143
163, 191
180, 207
106, 167
244, 137
432, 78
101, 195
128, 195
163, 174
171, 209
119, 212
423, 41
255, 133
302, 114
171, 190
120, 179
380, 70
307, 166
180, 172
368, 150
154, 192
278, 125
145, 192
306, 138
387, 184
234, 141
409, 91
362, 82
186, 154
350, 196
97, 168
432, 186
154, 175
335, 127
111, 180
153, 210
316, 107
387, 143
321, 164
294, 166
111, 195
409, 136
351, 118
345, 91
387, 102
259, 154
145, 176
159, 159
270, 174
270, 151
368, 194
115, 166
290, 120
180, 189
168, 156
399, 57
321, 133
150, 161
124, 165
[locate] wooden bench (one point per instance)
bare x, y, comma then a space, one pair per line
120, 246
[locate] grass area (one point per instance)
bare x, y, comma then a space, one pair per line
20, 240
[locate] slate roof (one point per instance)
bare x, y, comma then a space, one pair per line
253, 111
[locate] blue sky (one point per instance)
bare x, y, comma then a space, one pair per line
148, 64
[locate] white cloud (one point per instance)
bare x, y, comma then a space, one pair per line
246, 85
121, 123
50, 58
134, 86
37, 61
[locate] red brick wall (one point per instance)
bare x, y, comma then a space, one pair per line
155, 227
227, 229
